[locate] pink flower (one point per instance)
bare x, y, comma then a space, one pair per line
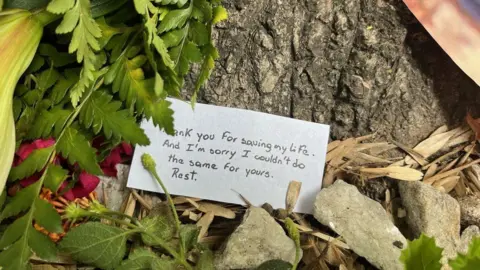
86, 184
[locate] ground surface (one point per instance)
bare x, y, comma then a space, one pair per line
360, 66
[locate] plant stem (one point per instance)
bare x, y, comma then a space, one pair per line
116, 220
169, 199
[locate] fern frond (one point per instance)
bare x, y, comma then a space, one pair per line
35, 162
100, 112
49, 123
74, 146
128, 78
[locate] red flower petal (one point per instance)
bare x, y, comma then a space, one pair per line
25, 150
43, 143
67, 195
110, 171
30, 180
86, 184
127, 149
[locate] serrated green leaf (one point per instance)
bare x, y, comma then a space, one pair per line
175, 19
470, 260
47, 79
14, 231
141, 6
54, 177
139, 259
60, 6
219, 14
61, 88
57, 59
108, 32
16, 257
202, 10
159, 84
22, 201
174, 37
211, 54
70, 20
160, 226
3, 197
275, 265
185, 54
188, 236
46, 216
36, 64
48, 123
162, 50
41, 244
74, 146
103, 7
35, 162
17, 108
198, 33
101, 113
422, 253
96, 244
127, 78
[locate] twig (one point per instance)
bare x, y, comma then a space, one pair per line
141, 200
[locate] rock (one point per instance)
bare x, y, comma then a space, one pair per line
362, 222
467, 235
432, 212
352, 64
259, 238
115, 188
470, 210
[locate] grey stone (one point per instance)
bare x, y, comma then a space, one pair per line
115, 188
259, 238
470, 210
360, 66
362, 222
467, 235
432, 212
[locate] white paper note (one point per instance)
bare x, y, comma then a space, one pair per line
221, 152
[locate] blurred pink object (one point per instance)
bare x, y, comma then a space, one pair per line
455, 25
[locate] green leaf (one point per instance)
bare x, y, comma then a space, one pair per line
422, 253
202, 10
469, 261
175, 19
16, 257
141, 6
184, 55
55, 177
205, 260
219, 14
46, 216
57, 59
100, 112
295, 235
139, 259
188, 236
47, 79
174, 37
35, 162
198, 33
211, 54
275, 265
36, 64
22, 201
41, 244
62, 86
160, 226
96, 244
13, 232
162, 50
74, 146
48, 123
3, 198
60, 6
127, 78
165, 264
103, 7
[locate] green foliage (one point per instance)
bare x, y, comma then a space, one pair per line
97, 244
139, 259
55, 177
205, 259
34, 163
160, 226
469, 261
422, 253
99, 112
295, 235
275, 265
188, 236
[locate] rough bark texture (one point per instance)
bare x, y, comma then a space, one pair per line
362, 66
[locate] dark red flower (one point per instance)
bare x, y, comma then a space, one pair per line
86, 184
109, 164
24, 151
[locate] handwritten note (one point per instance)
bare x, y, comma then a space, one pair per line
218, 153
